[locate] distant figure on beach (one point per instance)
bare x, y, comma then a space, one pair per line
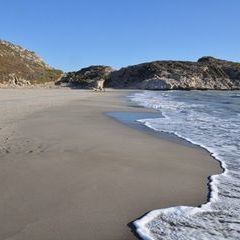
99, 85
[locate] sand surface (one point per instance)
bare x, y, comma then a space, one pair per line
69, 172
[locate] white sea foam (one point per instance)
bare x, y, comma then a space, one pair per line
210, 120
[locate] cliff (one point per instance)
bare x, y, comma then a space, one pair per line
19, 66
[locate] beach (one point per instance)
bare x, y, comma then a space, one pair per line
69, 171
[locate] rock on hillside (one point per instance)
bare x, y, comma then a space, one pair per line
19, 66
207, 73
86, 77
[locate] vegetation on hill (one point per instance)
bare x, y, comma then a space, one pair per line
206, 73
86, 77
20, 66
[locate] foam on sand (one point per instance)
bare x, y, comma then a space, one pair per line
210, 120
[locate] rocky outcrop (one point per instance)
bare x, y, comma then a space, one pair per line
206, 73
21, 67
86, 77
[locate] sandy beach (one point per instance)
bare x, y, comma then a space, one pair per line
68, 171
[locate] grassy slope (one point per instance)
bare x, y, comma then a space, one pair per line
24, 64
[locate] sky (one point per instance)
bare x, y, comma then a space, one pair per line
71, 34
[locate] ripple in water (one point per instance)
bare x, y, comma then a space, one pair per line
210, 119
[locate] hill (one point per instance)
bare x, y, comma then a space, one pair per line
19, 66
206, 73
86, 77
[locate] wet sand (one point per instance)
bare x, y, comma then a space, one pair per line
68, 171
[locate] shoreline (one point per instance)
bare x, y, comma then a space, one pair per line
116, 173
170, 137
133, 123
137, 225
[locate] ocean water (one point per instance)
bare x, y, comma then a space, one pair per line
210, 119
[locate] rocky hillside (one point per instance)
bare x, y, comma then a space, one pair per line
86, 77
19, 66
206, 73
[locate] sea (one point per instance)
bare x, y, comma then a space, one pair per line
210, 119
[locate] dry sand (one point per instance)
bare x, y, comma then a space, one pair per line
69, 172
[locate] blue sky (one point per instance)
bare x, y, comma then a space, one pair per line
71, 34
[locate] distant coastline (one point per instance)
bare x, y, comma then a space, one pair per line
20, 67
